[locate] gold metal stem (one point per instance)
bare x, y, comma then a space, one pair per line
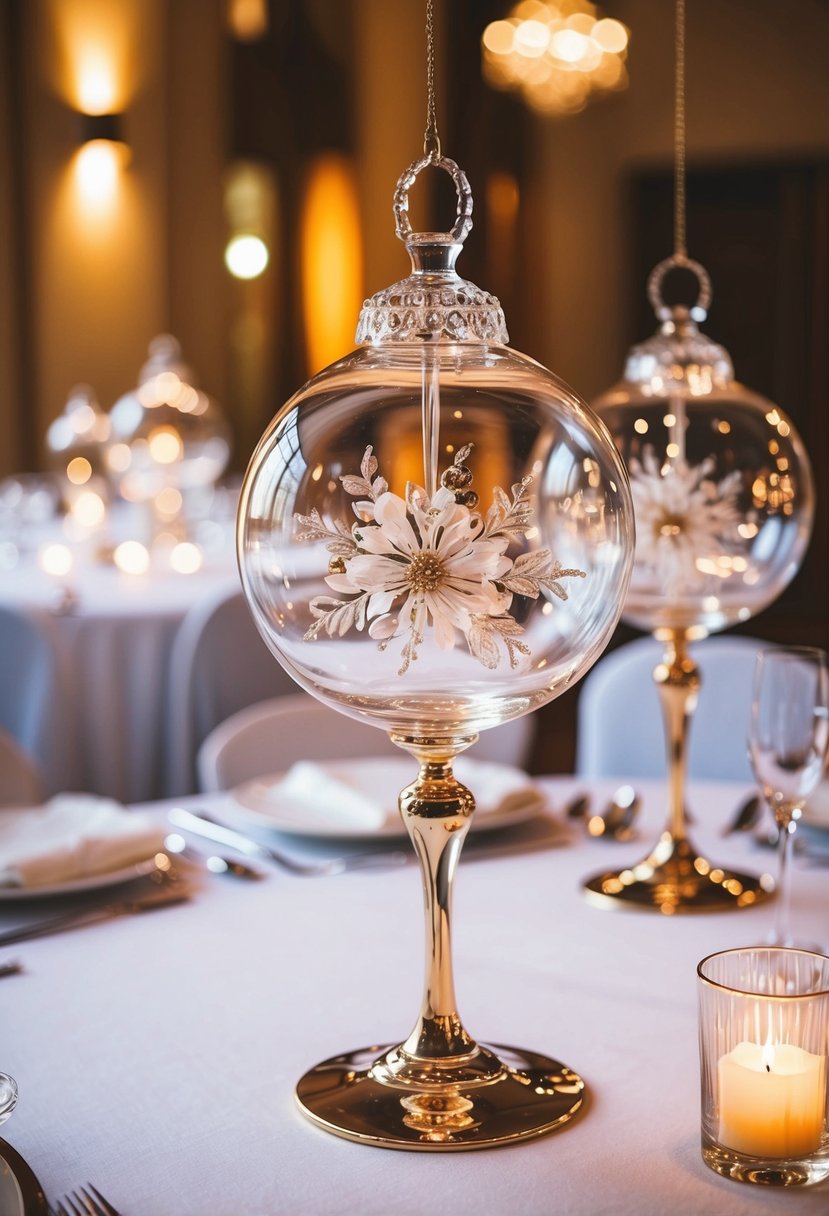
674, 877
678, 683
439, 1090
437, 812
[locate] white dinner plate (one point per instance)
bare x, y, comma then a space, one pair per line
261, 803
91, 882
20, 1192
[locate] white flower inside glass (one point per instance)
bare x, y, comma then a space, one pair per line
432, 535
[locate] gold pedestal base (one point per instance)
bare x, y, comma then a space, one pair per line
675, 878
501, 1096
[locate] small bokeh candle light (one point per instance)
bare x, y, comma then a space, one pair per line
764, 1043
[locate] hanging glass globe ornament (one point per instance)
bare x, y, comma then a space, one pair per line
434, 537
723, 499
170, 439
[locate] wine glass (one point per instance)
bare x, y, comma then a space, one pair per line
8, 1095
788, 739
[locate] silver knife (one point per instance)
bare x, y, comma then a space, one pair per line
75, 920
179, 847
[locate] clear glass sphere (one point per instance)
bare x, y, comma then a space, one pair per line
434, 534
166, 432
721, 484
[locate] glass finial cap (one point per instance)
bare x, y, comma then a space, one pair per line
433, 303
678, 357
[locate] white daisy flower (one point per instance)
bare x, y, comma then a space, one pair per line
422, 563
683, 518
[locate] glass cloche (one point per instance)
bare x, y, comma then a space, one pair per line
435, 536
166, 432
434, 532
721, 483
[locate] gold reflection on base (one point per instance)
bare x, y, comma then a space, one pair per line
525, 1096
675, 878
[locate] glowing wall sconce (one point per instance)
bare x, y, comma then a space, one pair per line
250, 206
103, 153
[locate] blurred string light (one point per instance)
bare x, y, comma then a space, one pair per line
556, 53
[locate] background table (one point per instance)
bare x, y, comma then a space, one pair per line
113, 645
157, 1055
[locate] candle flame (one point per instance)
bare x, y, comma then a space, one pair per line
768, 1056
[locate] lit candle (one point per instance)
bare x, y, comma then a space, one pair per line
772, 1100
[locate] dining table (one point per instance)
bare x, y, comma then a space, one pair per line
112, 633
157, 1054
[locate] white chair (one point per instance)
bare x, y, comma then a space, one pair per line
268, 738
620, 731
218, 666
20, 781
29, 688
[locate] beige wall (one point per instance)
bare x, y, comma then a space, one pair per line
757, 85
105, 279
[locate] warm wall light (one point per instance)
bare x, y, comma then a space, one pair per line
102, 155
246, 256
92, 127
250, 207
331, 259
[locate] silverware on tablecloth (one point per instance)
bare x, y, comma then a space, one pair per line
12, 967
85, 1201
203, 824
178, 846
746, 815
161, 898
615, 822
576, 808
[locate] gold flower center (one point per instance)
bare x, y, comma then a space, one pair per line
670, 525
425, 572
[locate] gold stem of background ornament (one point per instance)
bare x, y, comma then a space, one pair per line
678, 682
439, 1089
675, 877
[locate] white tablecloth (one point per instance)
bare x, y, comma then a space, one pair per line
114, 649
157, 1055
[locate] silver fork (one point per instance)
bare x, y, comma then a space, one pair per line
85, 1201
203, 824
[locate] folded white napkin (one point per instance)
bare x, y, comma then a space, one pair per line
334, 793
71, 837
361, 795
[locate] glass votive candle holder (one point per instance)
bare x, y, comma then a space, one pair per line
764, 1046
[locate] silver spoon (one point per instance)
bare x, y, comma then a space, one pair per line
746, 816
616, 820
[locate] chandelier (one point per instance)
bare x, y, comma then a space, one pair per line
556, 53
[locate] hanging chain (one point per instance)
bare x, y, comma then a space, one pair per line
431, 140
680, 250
